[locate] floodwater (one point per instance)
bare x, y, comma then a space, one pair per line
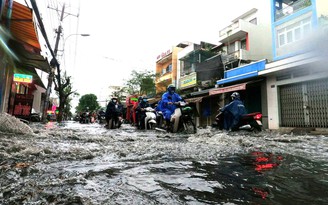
74, 163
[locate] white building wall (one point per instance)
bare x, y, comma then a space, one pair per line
272, 101
37, 98
260, 35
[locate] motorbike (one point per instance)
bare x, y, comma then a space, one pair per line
181, 120
115, 121
101, 117
35, 117
150, 119
85, 117
250, 122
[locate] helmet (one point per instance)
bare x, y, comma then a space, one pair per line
139, 98
114, 99
235, 95
171, 88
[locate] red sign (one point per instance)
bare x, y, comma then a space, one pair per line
23, 105
227, 89
163, 54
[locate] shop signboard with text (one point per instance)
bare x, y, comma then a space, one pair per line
188, 81
23, 105
22, 78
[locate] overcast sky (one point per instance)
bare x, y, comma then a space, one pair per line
128, 35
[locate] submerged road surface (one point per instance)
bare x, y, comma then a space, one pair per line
75, 163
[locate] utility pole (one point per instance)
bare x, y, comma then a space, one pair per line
54, 64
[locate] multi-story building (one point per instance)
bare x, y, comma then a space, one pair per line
247, 46
297, 87
166, 67
199, 67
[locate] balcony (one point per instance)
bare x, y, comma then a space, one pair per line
239, 54
235, 31
290, 9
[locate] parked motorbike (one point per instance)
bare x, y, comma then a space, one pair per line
150, 119
181, 120
250, 122
35, 117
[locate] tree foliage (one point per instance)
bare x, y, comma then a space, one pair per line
88, 100
141, 83
120, 93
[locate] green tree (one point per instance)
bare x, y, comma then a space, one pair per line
88, 100
120, 93
141, 83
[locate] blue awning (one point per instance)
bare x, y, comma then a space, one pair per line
242, 72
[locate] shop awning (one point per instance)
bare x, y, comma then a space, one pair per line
28, 59
194, 100
241, 86
22, 26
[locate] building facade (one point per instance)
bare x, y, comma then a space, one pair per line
247, 47
20, 85
166, 68
297, 87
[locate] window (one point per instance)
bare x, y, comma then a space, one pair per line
243, 44
294, 32
290, 36
169, 68
281, 39
297, 33
231, 48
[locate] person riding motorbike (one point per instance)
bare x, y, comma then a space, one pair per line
137, 113
233, 112
169, 98
142, 113
114, 109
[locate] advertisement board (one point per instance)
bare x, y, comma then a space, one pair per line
188, 81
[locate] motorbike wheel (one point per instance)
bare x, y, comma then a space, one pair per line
151, 126
189, 127
255, 127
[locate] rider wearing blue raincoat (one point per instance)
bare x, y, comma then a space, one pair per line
168, 99
233, 112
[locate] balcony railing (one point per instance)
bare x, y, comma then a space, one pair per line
229, 29
293, 8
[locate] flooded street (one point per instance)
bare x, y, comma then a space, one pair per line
75, 163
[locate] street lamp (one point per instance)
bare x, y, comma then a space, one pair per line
74, 34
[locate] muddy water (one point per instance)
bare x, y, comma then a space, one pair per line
87, 164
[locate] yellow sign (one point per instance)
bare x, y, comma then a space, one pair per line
22, 78
189, 80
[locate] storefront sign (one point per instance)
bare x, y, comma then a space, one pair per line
23, 105
22, 78
163, 54
188, 81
